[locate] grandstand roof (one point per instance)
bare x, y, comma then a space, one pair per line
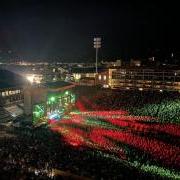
9, 79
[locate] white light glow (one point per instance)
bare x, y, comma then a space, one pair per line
105, 86
30, 78
34, 78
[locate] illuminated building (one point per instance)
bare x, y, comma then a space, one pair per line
88, 76
108, 64
11, 95
144, 79
135, 62
102, 79
80, 73
11, 88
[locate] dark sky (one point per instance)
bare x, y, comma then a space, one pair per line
47, 29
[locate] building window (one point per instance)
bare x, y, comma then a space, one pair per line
7, 93
104, 77
99, 77
3, 94
77, 76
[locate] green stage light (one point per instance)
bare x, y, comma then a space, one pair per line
66, 92
38, 112
52, 99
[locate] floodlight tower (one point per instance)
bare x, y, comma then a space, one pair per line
97, 45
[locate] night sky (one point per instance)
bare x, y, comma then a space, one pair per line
64, 30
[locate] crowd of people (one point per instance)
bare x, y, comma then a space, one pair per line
164, 105
33, 153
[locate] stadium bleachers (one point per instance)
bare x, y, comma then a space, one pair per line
5, 116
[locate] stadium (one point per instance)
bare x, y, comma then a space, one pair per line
82, 132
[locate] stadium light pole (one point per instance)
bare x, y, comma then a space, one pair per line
97, 45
